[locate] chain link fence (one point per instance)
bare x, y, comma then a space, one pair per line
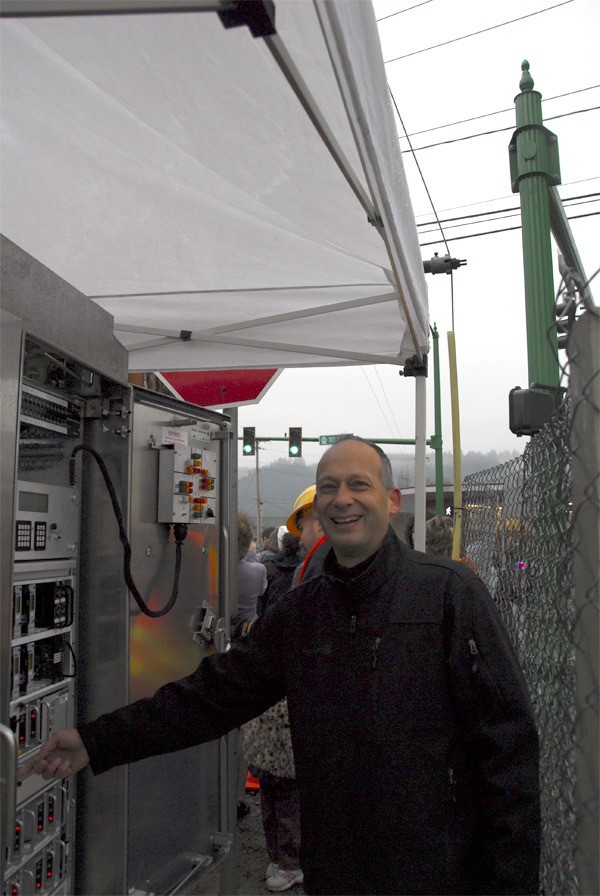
531, 526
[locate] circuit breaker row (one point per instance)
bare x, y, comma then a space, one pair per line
43, 659
43, 642
40, 606
39, 664
38, 857
34, 721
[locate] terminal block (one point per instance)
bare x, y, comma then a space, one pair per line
187, 484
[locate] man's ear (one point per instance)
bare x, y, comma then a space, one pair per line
395, 499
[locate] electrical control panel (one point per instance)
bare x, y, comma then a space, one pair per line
54, 396
95, 465
47, 522
187, 478
40, 847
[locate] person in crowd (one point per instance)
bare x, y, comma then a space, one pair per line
280, 569
409, 531
268, 746
268, 749
251, 553
252, 580
303, 523
264, 537
252, 584
415, 745
439, 536
271, 548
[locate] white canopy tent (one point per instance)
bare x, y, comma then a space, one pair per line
234, 201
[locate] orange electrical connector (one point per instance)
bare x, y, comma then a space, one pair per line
252, 783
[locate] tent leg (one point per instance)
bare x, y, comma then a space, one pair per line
420, 449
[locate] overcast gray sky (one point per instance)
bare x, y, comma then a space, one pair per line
462, 60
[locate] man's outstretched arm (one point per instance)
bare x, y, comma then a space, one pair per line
64, 754
225, 691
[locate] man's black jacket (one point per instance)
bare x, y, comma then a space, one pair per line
414, 739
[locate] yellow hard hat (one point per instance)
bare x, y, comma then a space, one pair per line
304, 503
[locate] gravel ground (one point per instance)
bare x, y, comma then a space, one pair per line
252, 859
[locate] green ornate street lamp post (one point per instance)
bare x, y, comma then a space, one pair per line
534, 167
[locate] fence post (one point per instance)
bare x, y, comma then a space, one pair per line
584, 388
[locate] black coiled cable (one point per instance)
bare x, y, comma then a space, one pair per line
179, 531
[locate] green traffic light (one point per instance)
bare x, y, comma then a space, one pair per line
249, 440
295, 441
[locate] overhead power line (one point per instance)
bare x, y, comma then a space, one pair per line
472, 236
430, 202
475, 33
453, 208
451, 124
419, 170
383, 414
588, 197
496, 131
391, 410
400, 11
490, 217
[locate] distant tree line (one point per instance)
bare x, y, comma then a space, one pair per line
282, 480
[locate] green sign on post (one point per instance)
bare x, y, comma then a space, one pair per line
328, 440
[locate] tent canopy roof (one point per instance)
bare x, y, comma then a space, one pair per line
164, 166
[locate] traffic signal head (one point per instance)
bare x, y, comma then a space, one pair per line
249, 441
295, 441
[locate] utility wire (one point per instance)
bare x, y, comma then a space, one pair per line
569, 183
472, 236
451, 124
586, 197
419, 170
377, 399
400, 11
498, 218
386, 399
475, 33
388, 404
496, 131
430, 202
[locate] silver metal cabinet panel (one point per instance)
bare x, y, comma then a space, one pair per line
173, 799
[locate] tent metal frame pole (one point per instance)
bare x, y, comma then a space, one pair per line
309, 104
165, 337
312, 311
420, 461
19, 9
369, 164
228, 745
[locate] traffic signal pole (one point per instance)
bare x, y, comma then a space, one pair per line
258, 501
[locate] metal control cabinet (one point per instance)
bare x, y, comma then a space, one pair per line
86, 457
